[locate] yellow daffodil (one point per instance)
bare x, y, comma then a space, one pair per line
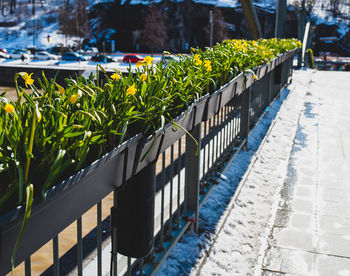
197, 60
143, 77
255, 76
207, 65
73, 99
148, 60
115, 77
9, 108
131, 90
140, 63
60, 89
27, 78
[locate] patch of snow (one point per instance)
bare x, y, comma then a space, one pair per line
238, 225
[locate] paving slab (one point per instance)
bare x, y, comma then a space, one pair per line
312, 236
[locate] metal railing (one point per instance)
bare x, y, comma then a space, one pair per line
184, 175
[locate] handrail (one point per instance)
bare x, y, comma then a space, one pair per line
65, 203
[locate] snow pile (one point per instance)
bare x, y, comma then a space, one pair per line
235, 228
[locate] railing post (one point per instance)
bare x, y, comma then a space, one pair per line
192, 175
245, 109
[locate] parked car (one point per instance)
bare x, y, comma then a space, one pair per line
21, 53
102, 58
43, 55
91, 50
132, 58
71, 56
4, 55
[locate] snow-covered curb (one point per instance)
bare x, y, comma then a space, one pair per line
234, 227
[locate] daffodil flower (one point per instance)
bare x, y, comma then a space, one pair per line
207, 65
131, 90
9, 108
140, 63
115, 76
60, 89
27, 78
197, 60
73, 99
148, 60
143, 77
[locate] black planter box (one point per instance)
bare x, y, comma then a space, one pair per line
70, 199
64, 204
150, 148
222, 96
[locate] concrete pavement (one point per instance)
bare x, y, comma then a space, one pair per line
311, 230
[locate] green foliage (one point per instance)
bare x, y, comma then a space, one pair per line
54, 131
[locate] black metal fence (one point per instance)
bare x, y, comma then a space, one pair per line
158, 185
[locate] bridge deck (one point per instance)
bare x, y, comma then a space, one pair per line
291, 213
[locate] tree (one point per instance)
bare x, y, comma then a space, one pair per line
154, 35
74, 21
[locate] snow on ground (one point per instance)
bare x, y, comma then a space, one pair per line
235, 226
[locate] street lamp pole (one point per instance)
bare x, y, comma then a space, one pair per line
211, 28
34, 25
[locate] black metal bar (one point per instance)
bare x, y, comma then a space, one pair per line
192, 175
178, 183
99, 238
209, 141
217, 129
141, 267
161, 236
171, 192
129, 267
245, 107
204, 148
114, 253
27, 267
56, 260
79, 247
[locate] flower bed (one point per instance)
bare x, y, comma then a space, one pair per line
54, 132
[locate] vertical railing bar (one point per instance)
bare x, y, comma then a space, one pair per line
213, 143
235, 122
225, 126
99, 238
129, 267
208, 148
217, 136
141, 267
221, 129
27, 267
56, 260
178, 184
79, 247
171, 191
231, 121
114, 254
161, 237
204, 146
